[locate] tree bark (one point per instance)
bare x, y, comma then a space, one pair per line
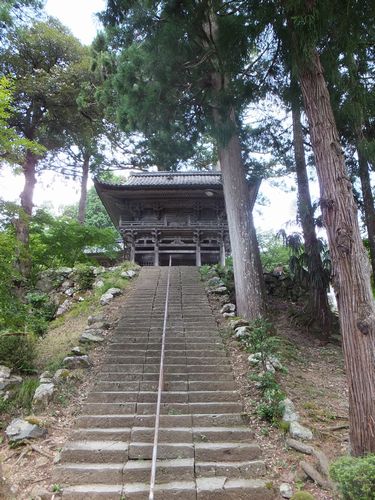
368, 204
83, 197
23, 262
349, 258
247, 272
318, 282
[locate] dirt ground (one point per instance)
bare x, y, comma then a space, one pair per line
315, 382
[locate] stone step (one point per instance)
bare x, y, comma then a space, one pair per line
166, 435
95, 473
94, 452
109, 408
248, 469
222, 488
165, 450
138, 471
227, 452
176, 490
228, 434
93, 492
102, 433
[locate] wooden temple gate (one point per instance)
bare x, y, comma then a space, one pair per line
169, 214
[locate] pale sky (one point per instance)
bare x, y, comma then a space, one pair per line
54, 191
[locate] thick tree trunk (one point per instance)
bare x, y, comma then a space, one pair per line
83, 197
318, 306
239, 203
368, 205
23, 262
349, 258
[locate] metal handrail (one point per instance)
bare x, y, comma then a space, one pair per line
160, 390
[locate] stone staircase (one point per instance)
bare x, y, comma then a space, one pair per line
205, 450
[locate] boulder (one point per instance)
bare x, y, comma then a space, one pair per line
64, 271
214, 282
61, 374
298, 431
241, 332
69, 292
236, 323
10, 382
219, 290
64, 307
4, 371
74, 362
76, 351
254, 359
45, 378
20, 429
43, 395
99, 270
115, 291
98, 283
229, 315
95, 319
89, 336
289, 413
286, 490
66, 285
128, 274
228, 308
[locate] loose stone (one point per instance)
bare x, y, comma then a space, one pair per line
228, 308
289, 414
286, 491
20, 429
298, 431
74, 362
43, 395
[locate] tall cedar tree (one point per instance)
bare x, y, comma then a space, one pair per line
37, 58
186, 68
349, 258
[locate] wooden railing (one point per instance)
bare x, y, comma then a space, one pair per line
130, 224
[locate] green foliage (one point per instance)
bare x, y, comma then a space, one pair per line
355, 477
17, 351
272, 253
302, 495
262, 340
61, 241
25, 393
271, 406
84, 276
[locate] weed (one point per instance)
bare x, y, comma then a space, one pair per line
17, 351
57, 488
25, 393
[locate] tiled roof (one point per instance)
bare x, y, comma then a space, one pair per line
171, 179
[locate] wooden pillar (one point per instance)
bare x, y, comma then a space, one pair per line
156, 247
198, 259
132, 250
222, 250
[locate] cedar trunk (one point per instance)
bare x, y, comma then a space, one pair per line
349, 258
318, 282
368, 205
83, 197
23, 263
239, 203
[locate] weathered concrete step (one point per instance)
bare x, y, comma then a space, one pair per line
102, 433
78, 473
166, 435
189, 408
165, 450
226, 452
138, 471
104, 421
167, 397
223, 434
109, 408
248, 469
222, 488
93, 492
139, 386
94, 452
176, 490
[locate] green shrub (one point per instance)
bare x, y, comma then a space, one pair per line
41, 305
271, 406
17, 351
25, 393
302, 495
261, 340
355, 477
84, 276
